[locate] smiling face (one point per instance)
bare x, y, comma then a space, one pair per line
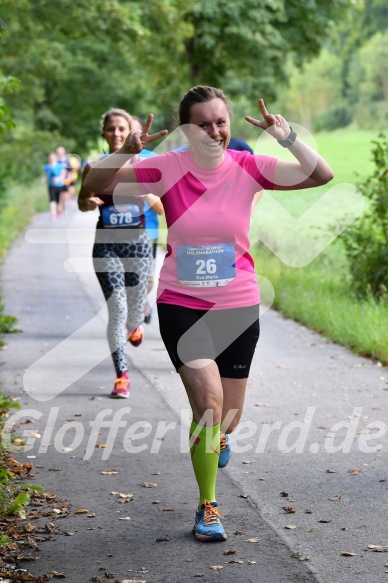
116, 130
209, 131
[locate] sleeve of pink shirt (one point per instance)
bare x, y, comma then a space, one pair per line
262, 169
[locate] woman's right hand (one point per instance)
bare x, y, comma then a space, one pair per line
136, 141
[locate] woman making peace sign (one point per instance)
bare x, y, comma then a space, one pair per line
208, 297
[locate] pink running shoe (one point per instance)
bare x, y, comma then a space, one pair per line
121, 388
136, 338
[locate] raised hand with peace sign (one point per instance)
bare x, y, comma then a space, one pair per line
275, 125
136, 141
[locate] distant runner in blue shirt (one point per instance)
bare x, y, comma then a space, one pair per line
54, 176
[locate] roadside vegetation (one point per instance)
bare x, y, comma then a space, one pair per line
333, 294
28, 514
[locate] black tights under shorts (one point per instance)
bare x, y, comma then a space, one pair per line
228, 337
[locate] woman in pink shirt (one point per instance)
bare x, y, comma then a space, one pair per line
208, 297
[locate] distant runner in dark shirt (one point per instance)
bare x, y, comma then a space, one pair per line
240, 145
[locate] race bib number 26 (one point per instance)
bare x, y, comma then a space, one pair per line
207, 265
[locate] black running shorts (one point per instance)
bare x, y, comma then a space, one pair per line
228, 337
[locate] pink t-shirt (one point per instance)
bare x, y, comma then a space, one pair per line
207, 264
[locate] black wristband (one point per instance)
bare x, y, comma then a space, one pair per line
290, 140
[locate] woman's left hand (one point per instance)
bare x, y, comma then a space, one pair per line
136, 141
275, 125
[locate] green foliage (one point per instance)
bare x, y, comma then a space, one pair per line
314, 92
339, 116
6, 404
366, 241
4, 539
84, 57
14, 495
6, 327
5, 498
5, 120
17, 505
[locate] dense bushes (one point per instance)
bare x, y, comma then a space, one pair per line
366, 242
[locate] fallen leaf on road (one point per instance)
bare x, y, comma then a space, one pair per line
235, 561
110, 472
289, 509
348, 554
81, 511
252, 562
230, 552
355, 472
336, 497
324, 521
166, 509
149, 485
243, 496
216, 567
378, 548
125, 518
143, 570
129, 495
253, 540
162, 539
284, 494
134, 581
290, 526
101, 445
247, 462
331, 472
300, 557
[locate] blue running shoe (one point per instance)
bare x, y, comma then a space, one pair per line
207, 526
225, 451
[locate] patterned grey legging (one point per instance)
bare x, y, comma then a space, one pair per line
122, 269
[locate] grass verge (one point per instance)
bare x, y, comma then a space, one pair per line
320, 297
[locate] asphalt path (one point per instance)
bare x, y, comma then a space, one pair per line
304, 495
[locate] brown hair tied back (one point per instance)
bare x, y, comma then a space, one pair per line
200, 94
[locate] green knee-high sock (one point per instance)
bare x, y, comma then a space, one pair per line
205, 452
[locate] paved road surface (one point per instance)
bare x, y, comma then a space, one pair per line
313, 440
